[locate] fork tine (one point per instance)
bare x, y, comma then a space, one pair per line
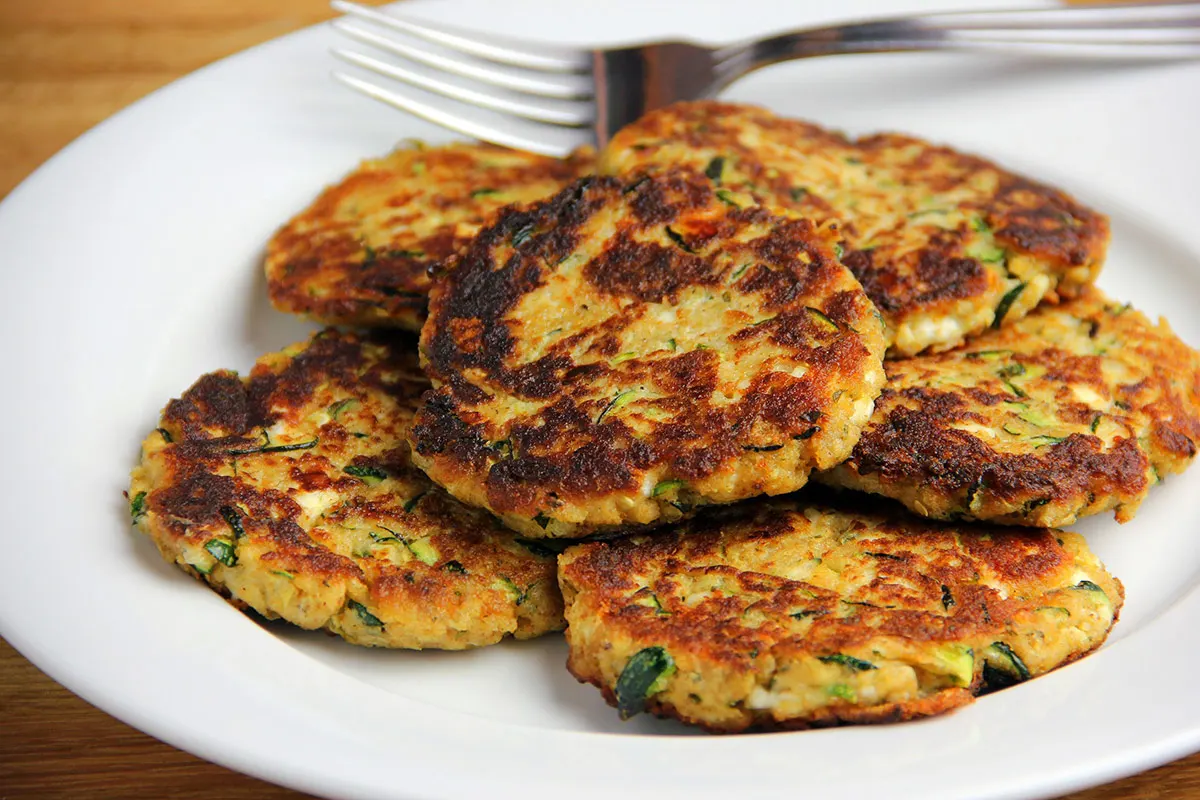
556, 112
529, 56
518, 134
561, 86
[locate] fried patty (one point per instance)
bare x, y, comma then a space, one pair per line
1074, 410
946, 244
791, 614
629, 351
291, 492
360, 254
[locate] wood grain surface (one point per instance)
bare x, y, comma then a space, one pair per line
64, 66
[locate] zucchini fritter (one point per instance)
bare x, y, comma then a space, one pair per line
359, 255
945, 244
787, 614
291, 492
626, 352
1074, 410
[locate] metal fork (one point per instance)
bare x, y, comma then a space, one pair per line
551, 100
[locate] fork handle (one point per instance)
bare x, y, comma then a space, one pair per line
1162, 30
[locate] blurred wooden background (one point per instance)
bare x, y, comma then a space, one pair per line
65, 65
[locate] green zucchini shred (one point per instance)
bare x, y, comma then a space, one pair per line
959, 662
990, 355
856, 664
1017, 390
644, 675
424, 552
662, 487
715, 169
394, 538
1006, 303
1046, 441
808, 612
371, 475
678, 239
822, 317
622, 398
1035, 417
366, 616
521, 234
1011, 370
222, 550
1088, 586
267, 447
335, 409
726, 197
1014, 661
411, 503
137, 506
506, 583
234, 520
1002, 667
842, 692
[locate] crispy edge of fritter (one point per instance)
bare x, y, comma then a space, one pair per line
373, 284
943, 473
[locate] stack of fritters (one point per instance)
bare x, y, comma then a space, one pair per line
637, 359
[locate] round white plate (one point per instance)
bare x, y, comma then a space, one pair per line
130, 266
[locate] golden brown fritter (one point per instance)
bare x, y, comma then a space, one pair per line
360, 254
792, 614
1074, 410
626, 352
291, 492
946, 244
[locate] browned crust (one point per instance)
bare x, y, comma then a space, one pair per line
361, 253
911, 266
205, 477
941, 702
571, 451
913, 452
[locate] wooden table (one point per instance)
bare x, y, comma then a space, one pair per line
64, 66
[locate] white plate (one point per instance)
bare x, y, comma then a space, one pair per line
130, 266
